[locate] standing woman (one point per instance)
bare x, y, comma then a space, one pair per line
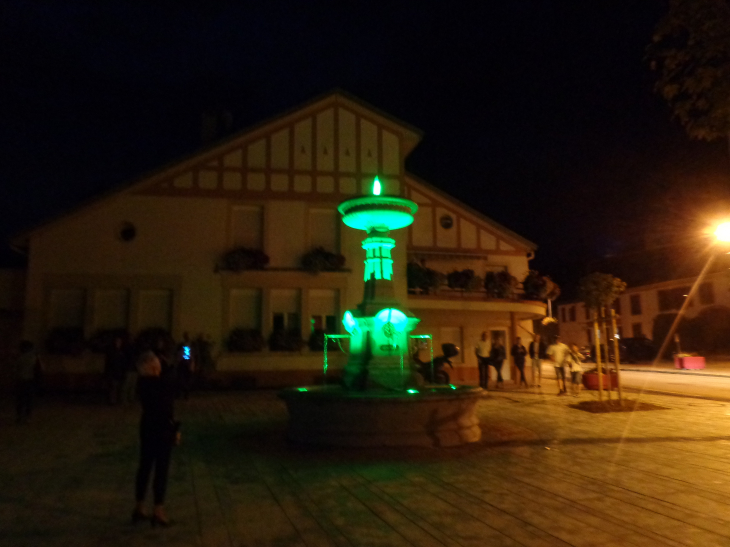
158, 432
518, 354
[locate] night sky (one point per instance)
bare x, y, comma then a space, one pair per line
540, 114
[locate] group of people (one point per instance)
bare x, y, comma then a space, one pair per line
566, 361
152, 373
122, 363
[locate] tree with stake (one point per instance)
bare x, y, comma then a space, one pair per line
598, 291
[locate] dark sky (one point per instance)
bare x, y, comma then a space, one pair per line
540, 114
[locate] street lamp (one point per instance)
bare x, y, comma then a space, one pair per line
722, 233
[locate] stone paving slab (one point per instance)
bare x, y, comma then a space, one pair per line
544, 475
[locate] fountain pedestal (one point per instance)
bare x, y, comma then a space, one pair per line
382, 400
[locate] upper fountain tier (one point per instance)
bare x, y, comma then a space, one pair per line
377, 213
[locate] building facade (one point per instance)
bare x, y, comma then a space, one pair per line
638, 308
150, 255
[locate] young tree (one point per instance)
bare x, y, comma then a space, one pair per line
690, 51
599, 290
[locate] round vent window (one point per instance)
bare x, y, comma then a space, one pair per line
447, 221
127, 231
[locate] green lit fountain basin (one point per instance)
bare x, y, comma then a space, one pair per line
433, 416
378, 212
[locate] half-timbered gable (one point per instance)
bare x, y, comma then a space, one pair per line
448, 235
149, 255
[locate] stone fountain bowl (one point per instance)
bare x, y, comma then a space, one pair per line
432, 416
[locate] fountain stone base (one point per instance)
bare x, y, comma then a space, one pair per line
435, 416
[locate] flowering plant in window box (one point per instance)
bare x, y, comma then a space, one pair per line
421, 278
464, 280
320, 260
500, 284
539, 287
286, 340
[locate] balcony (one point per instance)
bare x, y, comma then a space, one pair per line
455, 299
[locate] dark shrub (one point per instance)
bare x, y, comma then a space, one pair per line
320, 260
283, 340
500, 284
425, 279
245, 340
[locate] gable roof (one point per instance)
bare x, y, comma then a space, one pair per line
213, 158
449, 201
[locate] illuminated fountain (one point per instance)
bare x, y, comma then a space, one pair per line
382, 400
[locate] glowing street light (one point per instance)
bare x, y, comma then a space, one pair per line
722, 233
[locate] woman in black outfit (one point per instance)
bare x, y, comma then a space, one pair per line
158, 432
496, 358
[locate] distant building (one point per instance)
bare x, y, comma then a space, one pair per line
644, 310
149, 255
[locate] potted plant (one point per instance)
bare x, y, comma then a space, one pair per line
421, 278
242, 258
500, 284
320, 260
598, 291
286, 340
539, 287
464, 280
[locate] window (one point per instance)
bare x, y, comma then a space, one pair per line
635, 304
286, 320
588, 312
572, 313
562, 315
285, 310
617, 306
636, 330
707, 294
323, 310
672, 299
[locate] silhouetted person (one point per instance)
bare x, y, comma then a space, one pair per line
536, 357
158, 433
27, 365
185, 366
496, 359
518, 353
482, 350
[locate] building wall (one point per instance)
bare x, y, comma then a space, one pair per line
276, 188
632, 324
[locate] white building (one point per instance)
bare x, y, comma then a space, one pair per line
146, 255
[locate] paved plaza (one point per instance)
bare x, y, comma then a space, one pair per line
544, 474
